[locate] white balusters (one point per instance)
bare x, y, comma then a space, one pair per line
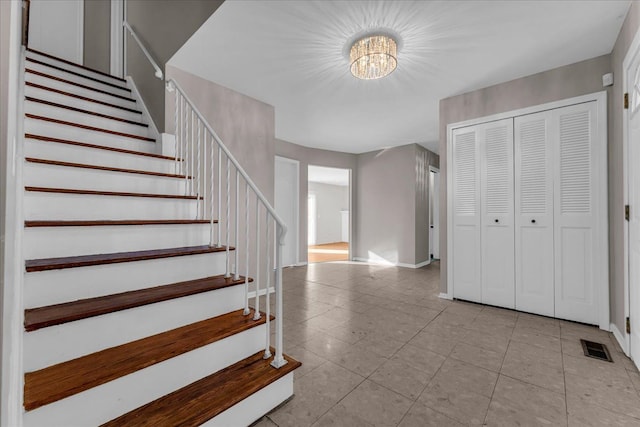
267, 346
227, 218
246, 250
256, 315
236, 272
279, 361
196, 147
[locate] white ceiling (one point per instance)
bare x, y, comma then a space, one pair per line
293, 55
324, 175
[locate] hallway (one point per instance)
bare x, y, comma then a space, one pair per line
379, 348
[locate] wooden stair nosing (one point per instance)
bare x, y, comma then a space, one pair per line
84, 98
74, 64
108, 193
97, 223
57, 314
91, 128
99, 147
80, 110
35, 61
65, 379
80, 85
104, 168
202, 400
59, 263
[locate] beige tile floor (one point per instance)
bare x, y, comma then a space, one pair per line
379, 348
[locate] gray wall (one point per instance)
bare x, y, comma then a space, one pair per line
564, 82
97, 34
245, 125
313, 156
386, 200
330, 201
616, 184
163, 26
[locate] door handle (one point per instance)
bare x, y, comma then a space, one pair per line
496, 220
533, 221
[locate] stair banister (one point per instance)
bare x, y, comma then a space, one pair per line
190, 151
159, 74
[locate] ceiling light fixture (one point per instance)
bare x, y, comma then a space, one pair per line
373, 57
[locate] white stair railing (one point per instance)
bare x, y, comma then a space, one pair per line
208, 164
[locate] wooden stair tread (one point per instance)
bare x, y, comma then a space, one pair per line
42, 317
93, 223
80, 85
208, 397
80, 110
55, 67
91, 128
74, 64
97, 147
104, 168
65, 379
107, 193
43, 264
84, 98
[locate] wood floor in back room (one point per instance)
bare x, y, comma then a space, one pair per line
338, 251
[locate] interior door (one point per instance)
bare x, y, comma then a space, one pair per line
56, 27
633, 160
435, 209
575, 218
466, 257
497, 236
286, 205
534, 249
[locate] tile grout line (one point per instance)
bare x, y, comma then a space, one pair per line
500, 372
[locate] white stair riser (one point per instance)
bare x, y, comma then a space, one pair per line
63, 114
56, 130
42, 347
77, 90
76, 69
70, 284
249, 410
105, 402
78, 79
78, 154
59, 98
58, 206
52, 242
43, 175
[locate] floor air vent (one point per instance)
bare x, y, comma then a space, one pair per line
596, 350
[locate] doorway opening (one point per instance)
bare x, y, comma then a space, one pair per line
328, 222
434, 213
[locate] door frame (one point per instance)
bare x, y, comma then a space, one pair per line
293, 228
435, 210
623, 338
116, 60
601, 107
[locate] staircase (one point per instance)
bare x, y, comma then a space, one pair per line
133, 314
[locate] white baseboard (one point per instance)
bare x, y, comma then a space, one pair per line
392, 264
300, 264
444, 295
620, 337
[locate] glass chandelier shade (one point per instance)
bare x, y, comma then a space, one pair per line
373, 57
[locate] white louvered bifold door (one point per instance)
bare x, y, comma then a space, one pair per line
578, 175
534, 258
496, 177
466, 215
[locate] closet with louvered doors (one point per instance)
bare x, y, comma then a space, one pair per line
529, 216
